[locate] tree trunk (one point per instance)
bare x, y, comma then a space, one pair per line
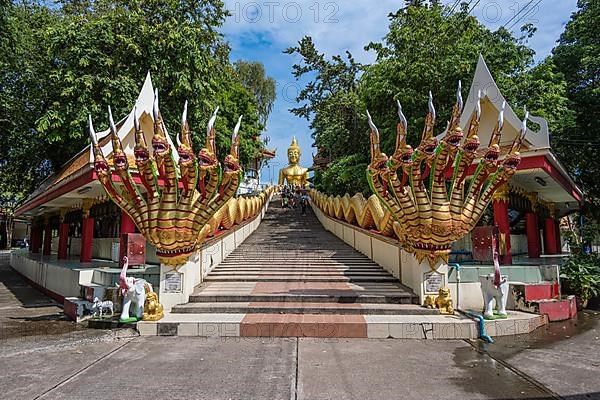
10, 224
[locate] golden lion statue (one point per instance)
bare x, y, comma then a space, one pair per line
443, 301
153, 310
429, 302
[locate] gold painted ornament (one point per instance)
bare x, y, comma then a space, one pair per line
421, 195
173, 217
432, 210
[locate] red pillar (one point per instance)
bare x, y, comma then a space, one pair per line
47, 238
63, 240
550, 236
127, 224
533, 235
87, 235
502, 222
34, 241
558, 241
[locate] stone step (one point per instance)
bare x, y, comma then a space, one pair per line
294, 257
332, 268
290, 277
400, 297
297, 271
302, 308
301, 278
297, 264
336, 326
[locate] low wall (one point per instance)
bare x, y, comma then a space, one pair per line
57, 280
177, 284
386, 252
102, 249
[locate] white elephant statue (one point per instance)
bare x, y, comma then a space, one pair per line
494, 286
492, 289
134, 295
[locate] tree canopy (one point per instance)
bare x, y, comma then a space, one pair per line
577, 57
59, 63
428, 47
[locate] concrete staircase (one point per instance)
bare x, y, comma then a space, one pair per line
293, 278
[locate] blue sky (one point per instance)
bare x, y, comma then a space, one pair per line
261, 30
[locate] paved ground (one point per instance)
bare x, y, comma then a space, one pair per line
24, 311
44, 356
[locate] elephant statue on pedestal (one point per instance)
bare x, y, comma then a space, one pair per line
134, 295
492, 291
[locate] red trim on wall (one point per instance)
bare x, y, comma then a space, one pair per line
544, 164
87, 235
57, 192
63, 240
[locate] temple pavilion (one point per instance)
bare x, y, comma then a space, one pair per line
70, 214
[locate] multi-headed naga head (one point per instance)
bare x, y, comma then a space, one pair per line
402, 157
454, 133
173, 216
432, 218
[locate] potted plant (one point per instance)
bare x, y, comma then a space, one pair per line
581, 277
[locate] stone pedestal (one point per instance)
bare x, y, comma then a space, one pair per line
421, 278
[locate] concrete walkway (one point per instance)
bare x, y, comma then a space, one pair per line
44, 357
283, 368
23, 310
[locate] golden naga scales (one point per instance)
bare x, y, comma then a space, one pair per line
420, 193
196, 196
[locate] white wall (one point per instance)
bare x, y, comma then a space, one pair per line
204, 260
388, 253
59, 280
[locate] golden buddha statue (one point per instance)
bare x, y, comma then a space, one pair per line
293, 174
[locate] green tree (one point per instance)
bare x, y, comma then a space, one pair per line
428, 47
22, 98
253, 76
103, 48
331, 102
577, 57
59, 63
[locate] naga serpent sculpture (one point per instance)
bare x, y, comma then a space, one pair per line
174, 217
423, 190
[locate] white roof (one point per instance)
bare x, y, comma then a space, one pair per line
491, 104
126, 131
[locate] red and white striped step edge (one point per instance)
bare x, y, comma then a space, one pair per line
337, 326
